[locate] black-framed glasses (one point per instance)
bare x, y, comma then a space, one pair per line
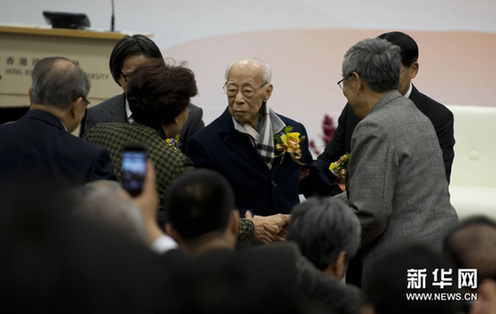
248, 91
341, 81
86, 101
125, 76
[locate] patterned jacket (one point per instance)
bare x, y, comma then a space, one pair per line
169, 163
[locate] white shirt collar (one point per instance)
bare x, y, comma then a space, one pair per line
63, 124
407, 95
128, 112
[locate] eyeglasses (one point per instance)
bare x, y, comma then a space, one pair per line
125, 76
341, 81
86, 100
248, 91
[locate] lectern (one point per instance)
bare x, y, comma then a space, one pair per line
22, 47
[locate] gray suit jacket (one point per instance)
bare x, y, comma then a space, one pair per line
397, 179
113, 110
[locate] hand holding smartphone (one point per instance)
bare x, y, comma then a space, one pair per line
133, 168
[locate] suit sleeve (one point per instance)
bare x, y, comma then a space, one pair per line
102, 168
445, 134
316, 183
373, 169
199, 154
335, 147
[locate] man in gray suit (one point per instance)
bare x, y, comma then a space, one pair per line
128, 54
397, 181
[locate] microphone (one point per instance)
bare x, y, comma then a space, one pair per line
112, 19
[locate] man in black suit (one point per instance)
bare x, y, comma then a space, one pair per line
39, 146
128, 54
263, 155
440, 116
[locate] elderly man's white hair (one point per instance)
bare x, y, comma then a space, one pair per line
266, 69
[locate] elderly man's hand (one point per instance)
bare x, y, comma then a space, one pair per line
305, 172
269, 229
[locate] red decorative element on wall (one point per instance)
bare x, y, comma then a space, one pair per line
328, 129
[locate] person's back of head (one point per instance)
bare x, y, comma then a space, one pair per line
261, 279
472, 244
409, 270
409, 49
106, 202
199, 202
325, 229
131, 46
159, 92
57, 82
377, 61
53, 262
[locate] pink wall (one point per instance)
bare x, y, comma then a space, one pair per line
456, 68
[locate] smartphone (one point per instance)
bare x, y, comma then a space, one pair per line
133, 168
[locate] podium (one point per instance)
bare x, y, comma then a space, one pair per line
22, 47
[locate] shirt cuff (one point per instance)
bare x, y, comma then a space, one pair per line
163, 244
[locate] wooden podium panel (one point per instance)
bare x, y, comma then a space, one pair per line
22, 47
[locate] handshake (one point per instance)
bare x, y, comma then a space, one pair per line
269, 229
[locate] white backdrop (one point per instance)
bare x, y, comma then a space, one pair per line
303, 40
178, 21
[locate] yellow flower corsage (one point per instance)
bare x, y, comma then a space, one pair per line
289, 142
173, 141
338, 168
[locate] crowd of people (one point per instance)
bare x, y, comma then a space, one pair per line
220, 224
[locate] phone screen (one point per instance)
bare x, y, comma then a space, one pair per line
133, 170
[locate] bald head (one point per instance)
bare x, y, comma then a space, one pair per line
106, 202
251, 65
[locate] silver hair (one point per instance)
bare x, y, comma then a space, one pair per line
58, 83
377, 61
266, 69
322, 228
101, 202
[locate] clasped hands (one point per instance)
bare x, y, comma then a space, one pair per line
269, 229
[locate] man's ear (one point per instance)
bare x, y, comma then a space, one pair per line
356, 83
338, 268
234, 222
76, 107
269, 90
341, 264
414, 70
30, 92
171, 232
